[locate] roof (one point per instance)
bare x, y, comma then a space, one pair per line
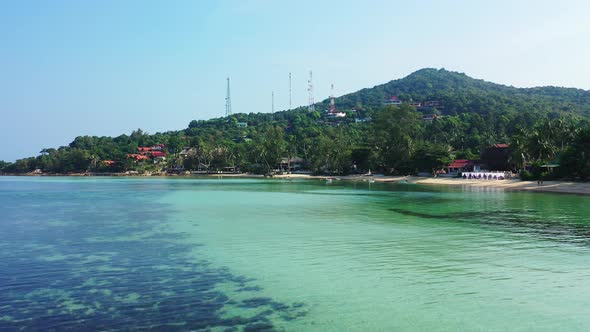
393, 98
460, 163
158, 154
501, 145
137, 156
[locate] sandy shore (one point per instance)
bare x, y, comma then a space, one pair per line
562, 187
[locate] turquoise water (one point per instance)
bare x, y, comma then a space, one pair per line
244, 254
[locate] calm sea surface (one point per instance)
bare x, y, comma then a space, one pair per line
243, 254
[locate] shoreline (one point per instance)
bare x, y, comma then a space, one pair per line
513, 185
556, 187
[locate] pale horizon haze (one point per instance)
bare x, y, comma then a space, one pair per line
105, 68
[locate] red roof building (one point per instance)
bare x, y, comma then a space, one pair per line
393, 101
497, 157
461, 165
138, 157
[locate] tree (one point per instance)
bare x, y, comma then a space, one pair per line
542, 144
332, 152
575, 162
174, 144
270, 147
3, 165
432, 157
394, 137
519, 153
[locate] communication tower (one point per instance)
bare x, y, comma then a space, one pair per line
290, 105
228, 100
332, 101
310, 104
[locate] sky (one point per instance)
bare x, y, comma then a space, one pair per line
105, 68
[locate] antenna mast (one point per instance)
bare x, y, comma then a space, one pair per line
290, 106
332, 102
273, 101
310, 104
228, 100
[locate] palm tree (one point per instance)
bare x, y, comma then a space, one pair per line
519, 152
542, 144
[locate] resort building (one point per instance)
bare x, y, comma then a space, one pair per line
291, 164
393, 101
497, 157
458, 166
155, 152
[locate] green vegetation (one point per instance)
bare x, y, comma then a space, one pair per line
543, 126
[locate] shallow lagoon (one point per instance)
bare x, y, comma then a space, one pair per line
245, 254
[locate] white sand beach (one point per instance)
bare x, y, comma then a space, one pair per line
564, 187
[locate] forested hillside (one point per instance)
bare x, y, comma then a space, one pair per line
434, 117
463, 94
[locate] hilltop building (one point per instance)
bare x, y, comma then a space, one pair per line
430, 117
393, 100
333, 113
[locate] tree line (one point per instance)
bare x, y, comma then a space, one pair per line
543, 126
396, 141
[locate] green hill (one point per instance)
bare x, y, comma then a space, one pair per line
464, 118
460, 93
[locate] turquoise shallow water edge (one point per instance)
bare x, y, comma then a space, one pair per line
253, 254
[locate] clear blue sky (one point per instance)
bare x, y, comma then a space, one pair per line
71, 68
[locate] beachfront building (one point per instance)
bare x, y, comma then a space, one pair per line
292, 164
458, 166
463, 165
497, 157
